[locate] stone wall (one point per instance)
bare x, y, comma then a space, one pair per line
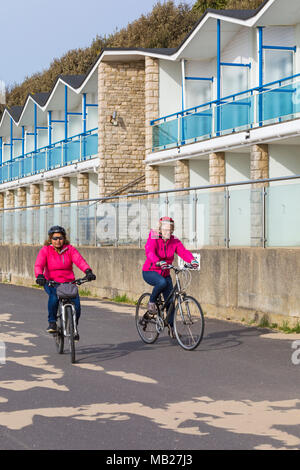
121, 89
151, 112
216, 199
235, 283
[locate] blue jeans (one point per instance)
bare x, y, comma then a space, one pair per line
162, 285
53, 304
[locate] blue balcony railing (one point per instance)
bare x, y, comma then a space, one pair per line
77, 148
272, 103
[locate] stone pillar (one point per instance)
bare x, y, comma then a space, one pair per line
35, 194
1, 200
259, 162
9, 198
217, 168
152, 178
151, 112
217, 200
121, 148
48, 187
82, 186
182, 174
259, 169
21, 196
64, 189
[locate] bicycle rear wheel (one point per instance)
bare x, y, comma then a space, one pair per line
188, 323
70, 332
145, 321
59, 335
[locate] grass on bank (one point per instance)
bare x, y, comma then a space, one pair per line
284, 327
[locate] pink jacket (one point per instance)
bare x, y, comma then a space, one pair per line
59, 266
157, 249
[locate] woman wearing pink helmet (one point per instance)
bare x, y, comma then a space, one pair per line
160, 249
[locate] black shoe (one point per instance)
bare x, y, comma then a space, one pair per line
52, 327
76, 337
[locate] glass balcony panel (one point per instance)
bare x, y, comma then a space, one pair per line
240, 217
54, 157
5, 172
39, 161
14, 168
281, 102
89, 145
283, 215
72, 151
165, 134
27, 165
238, 114
196, 125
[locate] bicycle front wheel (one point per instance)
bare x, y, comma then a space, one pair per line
59, 335
145, 321
70, 332
188, 323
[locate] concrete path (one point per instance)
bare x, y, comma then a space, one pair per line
238, 390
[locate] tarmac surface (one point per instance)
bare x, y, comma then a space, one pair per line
238, 390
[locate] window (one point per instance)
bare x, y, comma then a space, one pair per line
197, 92
234, 80
277, 64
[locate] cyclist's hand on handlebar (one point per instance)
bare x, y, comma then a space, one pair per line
90, 275
194, 264
162, 264
41, 280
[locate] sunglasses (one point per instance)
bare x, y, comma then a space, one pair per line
57, 238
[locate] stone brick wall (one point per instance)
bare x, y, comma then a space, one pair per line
35, 196
151, 112
259, 169
64, 189
48, 187
21, 196
121, 88
182, 174
9, 198
216, 199
83, 186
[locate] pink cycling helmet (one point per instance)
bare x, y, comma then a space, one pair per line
167, 219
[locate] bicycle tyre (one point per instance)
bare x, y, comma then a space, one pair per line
145, 322
70, 332
189, 323
59, 336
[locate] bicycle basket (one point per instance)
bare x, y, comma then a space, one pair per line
67, 291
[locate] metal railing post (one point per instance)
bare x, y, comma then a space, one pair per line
195, 200
227, 229
167, 205
264, 195
116, 225
95, 223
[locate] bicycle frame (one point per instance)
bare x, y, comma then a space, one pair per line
174, 294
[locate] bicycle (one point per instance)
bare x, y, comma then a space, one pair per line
66, 315
188, 316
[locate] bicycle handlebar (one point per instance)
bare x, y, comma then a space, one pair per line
186, 266
76, 281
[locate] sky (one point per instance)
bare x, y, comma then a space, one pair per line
34, 32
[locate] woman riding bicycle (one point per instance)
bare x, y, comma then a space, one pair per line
160, 249
55, 262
